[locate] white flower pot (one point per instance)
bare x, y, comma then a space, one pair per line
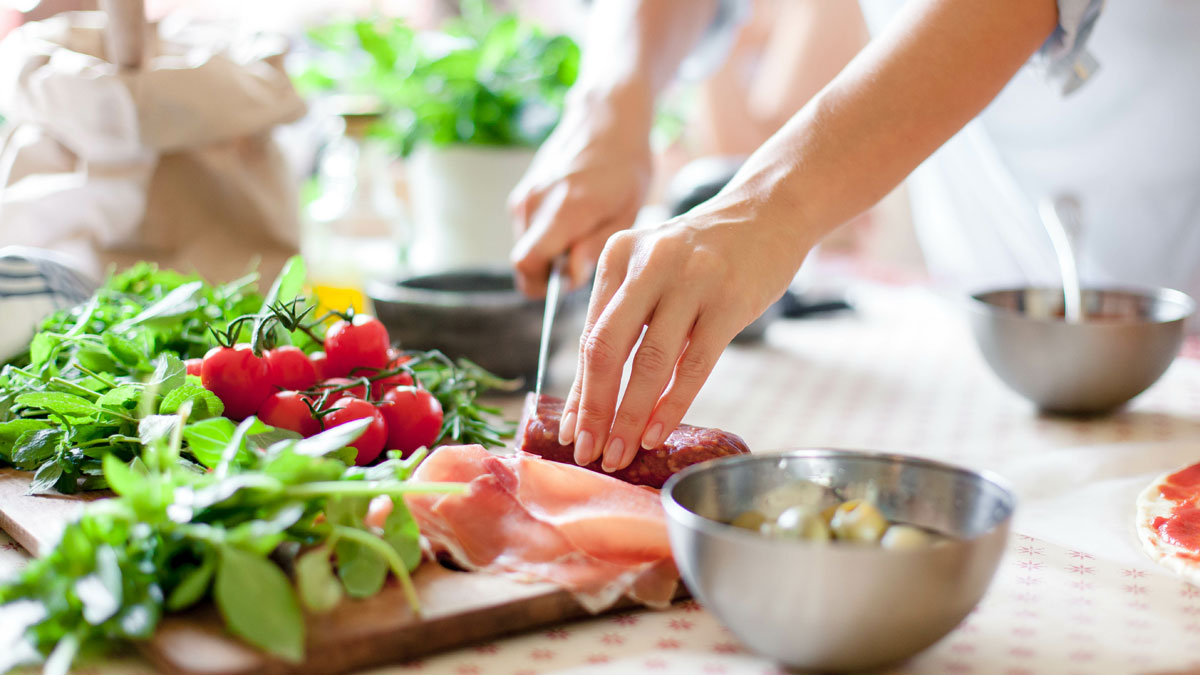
459, 213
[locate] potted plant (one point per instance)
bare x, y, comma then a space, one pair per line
466, 106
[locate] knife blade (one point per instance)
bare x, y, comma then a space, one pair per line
553, 291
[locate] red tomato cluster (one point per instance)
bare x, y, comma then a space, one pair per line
284, 386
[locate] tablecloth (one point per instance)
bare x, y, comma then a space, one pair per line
902, 374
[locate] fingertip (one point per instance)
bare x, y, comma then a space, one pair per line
614, 452
566, 429
583, 448
653, 436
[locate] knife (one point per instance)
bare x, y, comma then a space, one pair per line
553, 290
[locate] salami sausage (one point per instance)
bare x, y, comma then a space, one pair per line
684, 447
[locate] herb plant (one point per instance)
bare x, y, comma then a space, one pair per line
175, 535
486, 79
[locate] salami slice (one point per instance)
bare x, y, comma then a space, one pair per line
684, 447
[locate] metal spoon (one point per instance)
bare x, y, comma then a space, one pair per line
1061, 218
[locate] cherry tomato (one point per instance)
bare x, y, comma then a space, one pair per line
193, 366
319, 363
357, 391
414, 418
287, 410
290, 368
370, 443
385, 384
239, 378
361, 343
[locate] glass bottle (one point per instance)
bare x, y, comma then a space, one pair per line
355, 229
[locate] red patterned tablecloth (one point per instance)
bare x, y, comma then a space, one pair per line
1073, 595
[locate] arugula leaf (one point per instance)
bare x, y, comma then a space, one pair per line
258, 604
169, 374
401, 532
173, 305
46, 478
35, 447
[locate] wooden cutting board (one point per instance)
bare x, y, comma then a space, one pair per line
458, 608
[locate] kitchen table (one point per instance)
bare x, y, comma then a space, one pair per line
1074, 594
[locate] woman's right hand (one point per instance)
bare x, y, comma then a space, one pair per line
587, 181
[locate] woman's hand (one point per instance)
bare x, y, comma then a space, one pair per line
693, 283
587, 181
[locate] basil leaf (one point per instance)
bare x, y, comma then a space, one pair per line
361, 569
401, 532
45, 478
35, 447
65, 405
320, 590
169, 374
193, 586
258, 604
121, 477
11, 430
119, 396
207, 439
205, 404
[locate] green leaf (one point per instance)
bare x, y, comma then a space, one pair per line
11, 430
101, 592
35, 447
320, 590
66, 405
169, 374
156, 428
119, 396
361, 569
45, 478
205, 404
401, 532
42, 348
125, 351
289, 283
334, 438
172, 306
258, 604
121, 477
193, 586
207, 439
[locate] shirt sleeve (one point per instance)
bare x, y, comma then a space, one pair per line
1064, 59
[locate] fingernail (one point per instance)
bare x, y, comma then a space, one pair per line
652, 437
583, 448
612, 454
566, 429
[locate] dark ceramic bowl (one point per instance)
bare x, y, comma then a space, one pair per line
475, 313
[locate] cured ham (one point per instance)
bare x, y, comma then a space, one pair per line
685, 446
596, 536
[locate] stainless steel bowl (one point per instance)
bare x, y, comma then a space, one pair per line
837, 606
1124, 346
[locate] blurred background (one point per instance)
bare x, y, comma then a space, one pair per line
378, 138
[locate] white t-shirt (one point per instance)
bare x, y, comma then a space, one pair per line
1126, 141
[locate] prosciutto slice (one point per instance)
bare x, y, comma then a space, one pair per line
594, 535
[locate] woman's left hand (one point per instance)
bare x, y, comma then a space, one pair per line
693, 283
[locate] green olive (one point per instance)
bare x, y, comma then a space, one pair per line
801, 522
905, 537
749, 520
858, 520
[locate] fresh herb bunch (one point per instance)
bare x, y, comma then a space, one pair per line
486, 79
96, 370
175, 535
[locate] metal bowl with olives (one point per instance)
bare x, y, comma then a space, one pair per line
774, 546
809, 511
